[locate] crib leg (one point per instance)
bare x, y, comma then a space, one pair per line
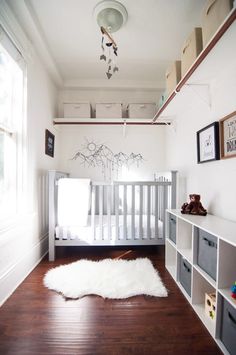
51, 256
51, 252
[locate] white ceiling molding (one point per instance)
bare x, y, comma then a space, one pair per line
15, 32
118, 84
41, 45
36, 37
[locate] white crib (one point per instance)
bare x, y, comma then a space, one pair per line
121, 213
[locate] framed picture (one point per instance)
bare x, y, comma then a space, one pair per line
208, 143
49, 143
228, 136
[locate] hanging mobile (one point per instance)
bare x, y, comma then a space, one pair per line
109, 44
102, 56
110, 16
102, 43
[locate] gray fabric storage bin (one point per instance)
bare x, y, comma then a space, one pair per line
207, 252
228, 327
172, 228
185, 274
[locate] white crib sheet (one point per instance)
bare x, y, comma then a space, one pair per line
86, 233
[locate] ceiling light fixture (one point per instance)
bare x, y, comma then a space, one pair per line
110, 16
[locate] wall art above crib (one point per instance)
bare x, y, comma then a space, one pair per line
99, 155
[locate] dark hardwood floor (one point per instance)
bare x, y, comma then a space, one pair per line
36, 320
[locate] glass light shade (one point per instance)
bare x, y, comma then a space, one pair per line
110, 14
110, 19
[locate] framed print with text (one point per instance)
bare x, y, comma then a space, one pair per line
228, 136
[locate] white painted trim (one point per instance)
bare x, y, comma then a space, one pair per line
14, 29
16, 274
114, 84
40, 42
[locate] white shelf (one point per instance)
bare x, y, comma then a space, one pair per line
187, 245
225, 292
227, 269
171, 259
205, 275
139, 121
171, 242
184, 292
172, 270
209, 323
200, 287
214, 225
222, 347
187, 254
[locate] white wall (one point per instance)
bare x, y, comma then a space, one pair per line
147, 140
25, 240
214, 181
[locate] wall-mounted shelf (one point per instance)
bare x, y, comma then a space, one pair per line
108, 121
208, 63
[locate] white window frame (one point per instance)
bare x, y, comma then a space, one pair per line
18, 136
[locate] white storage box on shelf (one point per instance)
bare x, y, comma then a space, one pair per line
173, 76
77, 110
141, 110
214, 13
191, 49
108, 110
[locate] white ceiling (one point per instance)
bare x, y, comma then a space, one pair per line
150, 40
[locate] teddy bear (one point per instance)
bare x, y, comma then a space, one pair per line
194, 206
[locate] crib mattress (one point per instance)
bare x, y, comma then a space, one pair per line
88, 233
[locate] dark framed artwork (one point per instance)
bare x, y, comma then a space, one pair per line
208, 148
49, 143
228, 136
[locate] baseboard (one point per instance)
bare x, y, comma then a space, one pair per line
13, 277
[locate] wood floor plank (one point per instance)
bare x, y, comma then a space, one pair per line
36, 320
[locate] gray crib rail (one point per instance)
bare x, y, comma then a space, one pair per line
137, 208
133, 199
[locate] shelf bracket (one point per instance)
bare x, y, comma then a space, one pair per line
204, 96
124, 129
169, 121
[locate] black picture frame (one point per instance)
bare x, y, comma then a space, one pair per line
49, 143
208, 143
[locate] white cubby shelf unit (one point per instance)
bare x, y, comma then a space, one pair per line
183, 235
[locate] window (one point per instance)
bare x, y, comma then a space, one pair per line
11, 125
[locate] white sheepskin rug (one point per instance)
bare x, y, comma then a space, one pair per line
107, 278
